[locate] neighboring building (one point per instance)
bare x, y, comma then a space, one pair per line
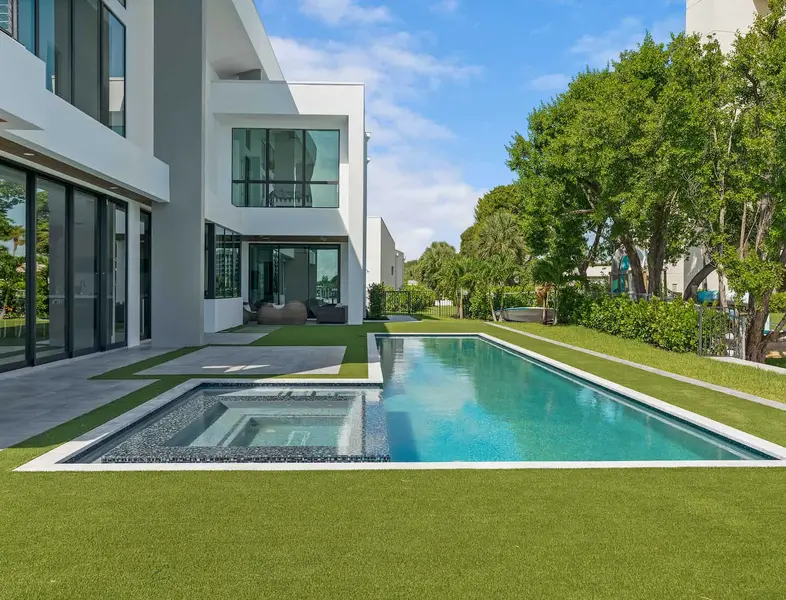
400, 260
722, 18
156, 170
382, 258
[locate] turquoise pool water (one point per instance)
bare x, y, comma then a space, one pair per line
465, 399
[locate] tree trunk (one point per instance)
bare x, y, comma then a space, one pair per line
756, 341
545, 313
656, 256
700, 276
593, 250
491, 304
636, 270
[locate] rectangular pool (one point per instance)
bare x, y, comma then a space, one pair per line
466, 399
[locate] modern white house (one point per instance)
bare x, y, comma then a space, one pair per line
157, 171
384, 264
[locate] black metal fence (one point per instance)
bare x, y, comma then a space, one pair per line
722, 332
421, 303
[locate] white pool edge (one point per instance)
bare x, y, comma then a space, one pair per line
53, 461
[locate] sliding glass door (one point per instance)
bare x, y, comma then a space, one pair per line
85, 273
13, 283
305, 273
51, 276
115, 279
63, 270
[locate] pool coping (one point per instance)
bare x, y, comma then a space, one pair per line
52, 461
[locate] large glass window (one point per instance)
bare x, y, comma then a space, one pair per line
279, 274
222, 262
54, 45
86, 273
17, 19
51, 270
113, 77
13, 237
87, 58
290, 168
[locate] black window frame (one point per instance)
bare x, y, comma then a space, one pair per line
231, 240
246, 182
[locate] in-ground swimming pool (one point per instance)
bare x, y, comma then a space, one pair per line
466, 399
444, 399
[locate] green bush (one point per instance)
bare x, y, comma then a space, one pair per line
669, 325
778, 302
420, 297
376, 301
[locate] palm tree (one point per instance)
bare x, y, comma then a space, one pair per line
494, 273
501, 234
552, 274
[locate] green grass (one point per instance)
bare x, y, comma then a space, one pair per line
739, 377
573, 534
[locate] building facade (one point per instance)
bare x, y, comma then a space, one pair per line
722, 18
157, 171
384, 264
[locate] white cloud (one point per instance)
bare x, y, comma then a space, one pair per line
598, 50
337, 12
411, 183
550, 83
445, 6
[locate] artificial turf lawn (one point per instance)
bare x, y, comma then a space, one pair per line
738, 377
639, 533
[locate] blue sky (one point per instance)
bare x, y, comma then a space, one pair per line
448, 82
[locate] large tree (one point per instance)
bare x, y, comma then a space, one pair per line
432, 261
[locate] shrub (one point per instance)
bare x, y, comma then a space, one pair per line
376, 301
669, 325
420, 297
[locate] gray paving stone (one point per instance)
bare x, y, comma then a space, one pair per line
255, 360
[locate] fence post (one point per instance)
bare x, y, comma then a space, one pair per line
743, 333
701, 320
409, 302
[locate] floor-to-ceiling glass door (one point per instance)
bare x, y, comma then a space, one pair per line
86, 275
145, 274
306, 273
51, 273
115, 280
13, 283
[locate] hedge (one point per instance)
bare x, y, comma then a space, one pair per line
669, 325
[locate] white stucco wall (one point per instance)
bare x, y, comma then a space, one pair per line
722, 18
380, 253
223, 313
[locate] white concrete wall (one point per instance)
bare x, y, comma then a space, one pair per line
722, 18
380, 253
269, 104
223, 313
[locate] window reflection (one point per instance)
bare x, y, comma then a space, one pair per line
284, 168
13, 239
